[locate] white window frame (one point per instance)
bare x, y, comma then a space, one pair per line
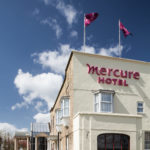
99, 103
63, 106
58, 116
97, 95
140, 107
145, 140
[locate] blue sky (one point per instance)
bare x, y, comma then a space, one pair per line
36, 37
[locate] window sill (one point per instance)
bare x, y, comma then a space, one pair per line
105, 112
140, 113
59, 124
65, 117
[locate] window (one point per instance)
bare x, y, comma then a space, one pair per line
67, 143
53, 121
104, 102
97, 102
147, 141
65, 107
113, 141
140, 107
58, 116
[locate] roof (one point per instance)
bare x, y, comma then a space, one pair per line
40, 127
21, 134
110, 57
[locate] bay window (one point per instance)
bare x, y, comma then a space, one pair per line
104, 101
58, 116
65, 106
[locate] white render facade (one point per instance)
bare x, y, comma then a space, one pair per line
110, 104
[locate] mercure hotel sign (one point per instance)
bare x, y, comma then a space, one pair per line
112, 76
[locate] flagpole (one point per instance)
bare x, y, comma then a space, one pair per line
119, 40
84, 34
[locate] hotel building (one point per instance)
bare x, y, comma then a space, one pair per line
103, 104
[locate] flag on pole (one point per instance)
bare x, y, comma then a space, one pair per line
89, 18
124, 30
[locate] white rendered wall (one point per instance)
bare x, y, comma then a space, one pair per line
88, 126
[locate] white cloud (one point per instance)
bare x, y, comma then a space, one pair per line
74, 33
9, 128
55, 60
53, 24
43, 86
40, 107
68, 11
19, 105
112, 51
36, 11
42, 118
47, 2
88, 49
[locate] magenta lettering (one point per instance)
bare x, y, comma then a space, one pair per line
109, 71
100, 80
114, 81
123, 74
108, 81
92, 69
118, 73
103, 71
120, 82
125, 83
115, 73
136, 75
130, 74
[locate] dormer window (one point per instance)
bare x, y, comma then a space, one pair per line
65, 106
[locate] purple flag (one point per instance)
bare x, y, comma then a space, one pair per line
124, 30
89, 18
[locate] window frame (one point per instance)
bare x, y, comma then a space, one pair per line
100, 102
140, 107
58, 118
63, 107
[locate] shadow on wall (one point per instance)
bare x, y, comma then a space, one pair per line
119, 106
